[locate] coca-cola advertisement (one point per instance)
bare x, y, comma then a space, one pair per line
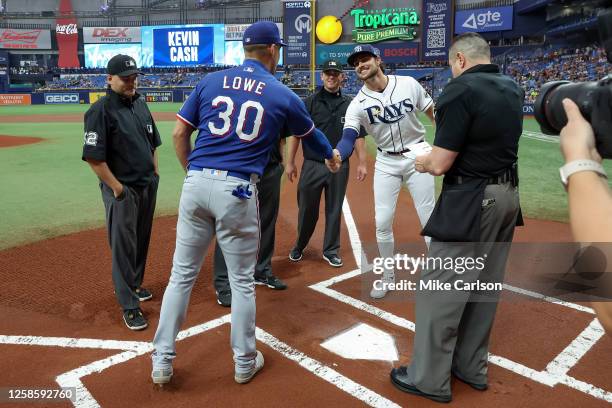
67, 35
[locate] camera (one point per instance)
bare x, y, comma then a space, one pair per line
593, 98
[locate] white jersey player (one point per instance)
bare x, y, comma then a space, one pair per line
387, 107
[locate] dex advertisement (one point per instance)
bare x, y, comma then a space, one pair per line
110, 35
297, 28
436, 36
483, 20
182, 45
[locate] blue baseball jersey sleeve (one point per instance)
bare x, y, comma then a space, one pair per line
239, 114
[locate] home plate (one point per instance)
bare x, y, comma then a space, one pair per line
363, 342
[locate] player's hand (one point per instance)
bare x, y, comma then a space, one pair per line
419, 164
118, 193
577, 137
337, 156
332, 165
291, 171
362, 172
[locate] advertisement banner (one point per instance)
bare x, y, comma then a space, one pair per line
56, 98
436, 36
25, 39
186, 46
186, 95
67, 36
111, 35
528, 109
94, 96
97, 55
235, 32
158, 96
393, 52
15, 99
483, 20
297, 28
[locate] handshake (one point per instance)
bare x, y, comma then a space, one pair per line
334, 163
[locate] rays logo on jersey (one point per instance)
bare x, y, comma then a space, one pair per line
390, 113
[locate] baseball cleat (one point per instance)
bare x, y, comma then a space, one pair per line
161, 376
134, 319
380, 287
243, 378
224, 298
333, 260
295, 255
143, 294
272, 282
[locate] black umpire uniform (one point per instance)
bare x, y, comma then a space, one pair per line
327, 111
268, 196
121, 132
479, 115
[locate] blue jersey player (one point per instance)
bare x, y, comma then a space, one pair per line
238, 114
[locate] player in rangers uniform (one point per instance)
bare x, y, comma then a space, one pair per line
387, 107
238, 114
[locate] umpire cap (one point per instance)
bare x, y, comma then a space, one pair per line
122, 65
262, 32
362, 49
332, 65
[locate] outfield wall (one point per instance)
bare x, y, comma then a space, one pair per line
91, 96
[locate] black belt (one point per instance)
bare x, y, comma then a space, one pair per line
396, 153
504, 178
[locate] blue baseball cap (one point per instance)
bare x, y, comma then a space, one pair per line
362, 49
262, 32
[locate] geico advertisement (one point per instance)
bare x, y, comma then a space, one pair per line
183, 46
51, 98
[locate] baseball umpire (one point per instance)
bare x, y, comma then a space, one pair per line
476, 149
387, 107
268, 193
229, 109
120, 146
327, 108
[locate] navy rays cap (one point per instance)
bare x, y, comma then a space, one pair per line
362, 49
262, 32
332, 65
122, 65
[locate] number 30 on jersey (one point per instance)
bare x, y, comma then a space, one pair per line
226, 117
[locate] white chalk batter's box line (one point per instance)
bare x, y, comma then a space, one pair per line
554, 373
133, 349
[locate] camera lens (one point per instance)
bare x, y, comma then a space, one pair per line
549, 110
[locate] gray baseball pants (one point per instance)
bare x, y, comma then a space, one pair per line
207, 207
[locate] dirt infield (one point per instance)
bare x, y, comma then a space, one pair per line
12, 141
62, 288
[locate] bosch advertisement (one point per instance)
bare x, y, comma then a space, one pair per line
182, 45
390, 52
55, 98
483, 20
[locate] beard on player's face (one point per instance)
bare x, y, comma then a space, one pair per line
367, 69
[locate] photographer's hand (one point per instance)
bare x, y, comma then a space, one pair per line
577, 137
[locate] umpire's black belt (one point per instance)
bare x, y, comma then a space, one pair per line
501, 179
397, 153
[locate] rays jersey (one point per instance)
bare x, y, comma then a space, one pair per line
390, 116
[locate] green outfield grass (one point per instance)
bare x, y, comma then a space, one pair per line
47, 190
